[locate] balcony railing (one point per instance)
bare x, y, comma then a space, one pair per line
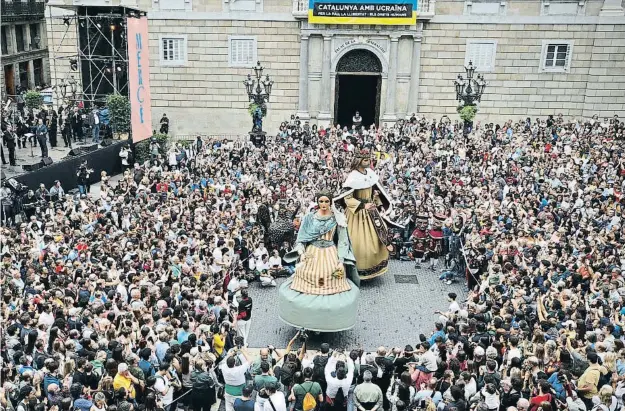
426, 9
22, 10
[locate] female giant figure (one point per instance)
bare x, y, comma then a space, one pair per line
367, 207
323, 293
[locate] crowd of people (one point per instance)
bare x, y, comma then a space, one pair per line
34, 132
137, 299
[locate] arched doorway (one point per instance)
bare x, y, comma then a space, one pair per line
357, 88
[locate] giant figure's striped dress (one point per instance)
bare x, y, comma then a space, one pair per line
315, 274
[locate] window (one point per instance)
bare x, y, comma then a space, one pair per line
5, 44
563, 7
172, 4
482, 54
19, 38
173, 50
242, 51
243, 5
485, 7
556, 55
35, 39
38, 70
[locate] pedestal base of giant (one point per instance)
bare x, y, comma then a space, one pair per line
322, 313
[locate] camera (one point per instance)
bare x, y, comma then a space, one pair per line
238, 341
303, 336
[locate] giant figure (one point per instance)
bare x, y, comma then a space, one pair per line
367, 206
323, 293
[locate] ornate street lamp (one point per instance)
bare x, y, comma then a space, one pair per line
258, 92
469, 92
249, 84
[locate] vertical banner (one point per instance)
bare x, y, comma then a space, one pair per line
378, 12
139, 79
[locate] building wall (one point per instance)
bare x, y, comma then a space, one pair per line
206, 95
32, 52
517, 87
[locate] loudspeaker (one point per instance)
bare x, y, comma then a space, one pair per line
106, 142
46, 161
76, 151
90, 148
31, 167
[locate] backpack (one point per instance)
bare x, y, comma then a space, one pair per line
578, 366
286, 373
319, 365
83, 298
309, 403
339, 399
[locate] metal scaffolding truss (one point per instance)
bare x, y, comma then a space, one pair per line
103, 67
101, 60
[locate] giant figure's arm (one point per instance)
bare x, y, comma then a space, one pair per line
353, 205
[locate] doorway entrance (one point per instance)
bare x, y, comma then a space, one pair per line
357, 88
357, 93
9, 79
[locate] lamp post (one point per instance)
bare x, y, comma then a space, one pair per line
469, 91
258, 92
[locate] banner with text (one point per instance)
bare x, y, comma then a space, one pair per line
139, 79
387, 12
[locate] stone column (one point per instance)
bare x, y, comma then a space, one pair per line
324, 97
27, 40
415, 73
12, 40
31, 75
302, 106
391, 96
16, 76
612, 8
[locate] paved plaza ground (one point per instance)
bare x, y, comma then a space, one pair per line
393, 311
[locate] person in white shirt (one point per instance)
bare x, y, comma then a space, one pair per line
262, 266
275, 263
426, 363
276, 400
163, 386
96, 126
338, 377
234, 376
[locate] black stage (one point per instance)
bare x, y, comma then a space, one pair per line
102, 159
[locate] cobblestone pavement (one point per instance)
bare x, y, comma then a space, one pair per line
393, 310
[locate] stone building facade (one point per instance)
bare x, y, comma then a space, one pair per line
24, 46
538, 57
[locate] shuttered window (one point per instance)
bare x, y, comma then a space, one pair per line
481, 54
242, 51
556, 56
173, 50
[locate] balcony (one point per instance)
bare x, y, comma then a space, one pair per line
22, 10
425, 11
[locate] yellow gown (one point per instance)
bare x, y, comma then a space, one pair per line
316, 274
371, 254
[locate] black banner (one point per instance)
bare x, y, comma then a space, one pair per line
362, 10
